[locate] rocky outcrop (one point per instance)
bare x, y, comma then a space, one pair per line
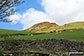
41, 45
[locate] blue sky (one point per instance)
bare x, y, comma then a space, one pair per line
35, 11
22, 8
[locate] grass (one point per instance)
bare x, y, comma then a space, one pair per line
76, 35
80, 55
26, 52
73, 25
5, 31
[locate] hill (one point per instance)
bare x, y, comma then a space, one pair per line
6, 31
43, 26
48, 26
73, 25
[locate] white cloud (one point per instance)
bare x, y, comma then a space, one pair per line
29, 18
64, 11
58, 11
33, 16
15, 18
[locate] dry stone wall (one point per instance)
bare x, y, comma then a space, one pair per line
41, 45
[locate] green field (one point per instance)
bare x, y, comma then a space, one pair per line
76, 35
5, 31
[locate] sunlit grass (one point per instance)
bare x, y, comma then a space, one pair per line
76, 35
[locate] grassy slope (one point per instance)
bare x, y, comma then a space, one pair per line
73, 25
77, 34
5, 31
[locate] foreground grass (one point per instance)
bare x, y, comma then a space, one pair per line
26, 52
77, 35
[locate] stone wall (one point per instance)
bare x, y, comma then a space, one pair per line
24, 54
41, 45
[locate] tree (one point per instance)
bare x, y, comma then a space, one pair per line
7, 8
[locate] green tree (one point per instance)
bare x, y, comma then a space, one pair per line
7, 8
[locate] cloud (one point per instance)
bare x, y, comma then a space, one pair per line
29, 18
33, 16
64, 11
58, 11
14, 18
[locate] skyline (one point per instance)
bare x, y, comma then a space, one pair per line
35, 11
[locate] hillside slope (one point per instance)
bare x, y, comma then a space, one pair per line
43, 26
48, 26
6, 31
73, 25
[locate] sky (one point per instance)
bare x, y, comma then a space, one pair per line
35, 11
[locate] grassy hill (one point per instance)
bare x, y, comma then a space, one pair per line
77, 34
43, 26
73, 25
6, 31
